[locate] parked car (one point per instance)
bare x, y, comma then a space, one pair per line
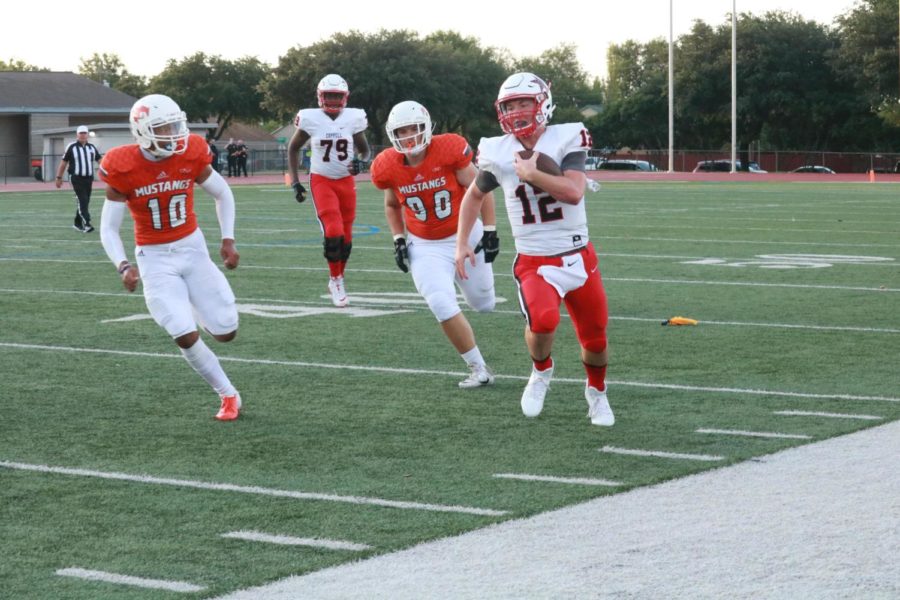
618, 164
813, 169
724, 166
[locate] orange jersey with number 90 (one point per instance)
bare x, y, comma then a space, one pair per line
430, 192
160, 193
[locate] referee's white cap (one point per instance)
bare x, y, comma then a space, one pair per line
82, 129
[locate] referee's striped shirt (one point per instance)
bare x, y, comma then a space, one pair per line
81, 158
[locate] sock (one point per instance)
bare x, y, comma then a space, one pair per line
542, 365
596, 376
202, 359
473, 357
335, 269
343, 264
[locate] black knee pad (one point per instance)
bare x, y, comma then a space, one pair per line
333, 247
345, 251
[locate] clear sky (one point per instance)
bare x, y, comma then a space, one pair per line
146, 34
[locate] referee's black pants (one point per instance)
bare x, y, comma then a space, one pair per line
82, 186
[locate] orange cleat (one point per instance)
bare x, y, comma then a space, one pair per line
231, 408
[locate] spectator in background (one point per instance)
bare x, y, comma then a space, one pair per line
241, 158
231, 157
215, 153
79, 159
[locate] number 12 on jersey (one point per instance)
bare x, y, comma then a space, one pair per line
528, 194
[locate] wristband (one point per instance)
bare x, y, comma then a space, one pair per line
124, 268
490, 228
397, 236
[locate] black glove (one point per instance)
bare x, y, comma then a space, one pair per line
401, 254
490, 243
353, 167
299, 191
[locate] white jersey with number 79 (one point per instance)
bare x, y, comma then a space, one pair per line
541, 225
331, 140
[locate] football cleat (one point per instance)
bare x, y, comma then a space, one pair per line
88, 229
77, 228
338, 293
598, 407
533, 396
230, 409
479, 375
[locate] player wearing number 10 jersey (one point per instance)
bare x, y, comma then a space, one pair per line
155, 179
555, 259
424, 178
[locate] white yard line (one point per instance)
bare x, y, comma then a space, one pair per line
815, 521
809, 413
661, 454
567, 480
287, 540
153, 584
755, 434
250, 489
376, 369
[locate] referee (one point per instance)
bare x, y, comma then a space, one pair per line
79, 159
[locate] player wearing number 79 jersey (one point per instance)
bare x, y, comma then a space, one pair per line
424, 178
155, 179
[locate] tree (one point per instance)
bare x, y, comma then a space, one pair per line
449, 74
867, 56
569, 82
210, 87
15, 64
109, 70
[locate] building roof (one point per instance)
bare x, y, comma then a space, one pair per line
58, 92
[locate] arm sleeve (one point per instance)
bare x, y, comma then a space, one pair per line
216, 187
486, 182
110, 222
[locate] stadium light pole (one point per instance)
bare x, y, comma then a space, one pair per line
733, 86
672, 95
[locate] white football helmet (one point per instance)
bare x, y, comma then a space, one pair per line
332, 84
522, 123
405, 114
159, 125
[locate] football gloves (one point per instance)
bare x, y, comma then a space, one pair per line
490, 243
401, 254
299, 191
353, 167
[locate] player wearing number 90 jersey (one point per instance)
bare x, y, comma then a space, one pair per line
155, 179
424, 178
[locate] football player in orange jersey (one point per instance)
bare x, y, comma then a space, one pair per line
424, 178
155, 180
336, 134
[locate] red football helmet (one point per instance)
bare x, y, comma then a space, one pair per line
332, 84
523, 123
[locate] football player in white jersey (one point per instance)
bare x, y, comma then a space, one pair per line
336, 135
555, 260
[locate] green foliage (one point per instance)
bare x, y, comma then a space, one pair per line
211, 87
109, 69
15, 64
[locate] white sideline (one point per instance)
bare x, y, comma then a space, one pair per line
375, 369
287, 540
250, 489
756, 434
816, 521
551, 479
154, 584
661, 454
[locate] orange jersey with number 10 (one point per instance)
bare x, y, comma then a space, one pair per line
160, 193
430, 192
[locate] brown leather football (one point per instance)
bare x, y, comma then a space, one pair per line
545, 164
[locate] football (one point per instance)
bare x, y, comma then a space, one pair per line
545, 164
